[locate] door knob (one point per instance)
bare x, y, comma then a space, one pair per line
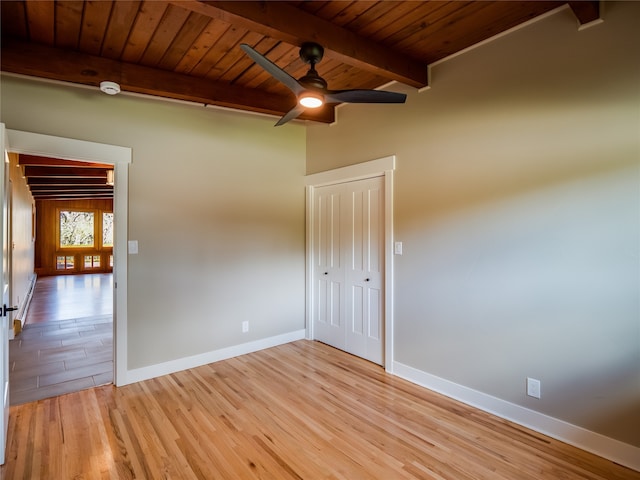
6, 309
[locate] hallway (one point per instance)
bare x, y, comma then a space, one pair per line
67, 342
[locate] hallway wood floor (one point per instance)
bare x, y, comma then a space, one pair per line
302, 410
66, 344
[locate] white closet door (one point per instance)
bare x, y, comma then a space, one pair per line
328, 267
349, 267
364, 269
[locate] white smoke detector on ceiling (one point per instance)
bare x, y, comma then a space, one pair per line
110, 88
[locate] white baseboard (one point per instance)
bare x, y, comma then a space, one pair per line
23, 308
598, 444
152, 371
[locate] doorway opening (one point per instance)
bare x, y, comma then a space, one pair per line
64, 339
119, 158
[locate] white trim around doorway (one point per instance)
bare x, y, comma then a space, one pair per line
120, 157
375, 168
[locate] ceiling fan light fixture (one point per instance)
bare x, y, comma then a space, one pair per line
311, 100
311, 90
110, 88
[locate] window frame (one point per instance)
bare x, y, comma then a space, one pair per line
61, 247
79, 252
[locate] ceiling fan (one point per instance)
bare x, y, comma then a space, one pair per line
311, 89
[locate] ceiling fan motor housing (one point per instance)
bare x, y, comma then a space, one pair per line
313, 80
311, 52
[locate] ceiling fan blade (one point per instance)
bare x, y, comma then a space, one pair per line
274, 70
295, 112
364, 96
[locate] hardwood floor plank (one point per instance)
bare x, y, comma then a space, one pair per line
69, 297
55, 390
298, 411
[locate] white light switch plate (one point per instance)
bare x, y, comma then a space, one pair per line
133, 247
398, 248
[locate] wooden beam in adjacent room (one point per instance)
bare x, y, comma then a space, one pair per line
71, 188
70, 196
25, 159
32, 171
60, 181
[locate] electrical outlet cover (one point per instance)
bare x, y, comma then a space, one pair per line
533, 387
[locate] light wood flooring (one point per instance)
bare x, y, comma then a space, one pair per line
297, 411
67, 341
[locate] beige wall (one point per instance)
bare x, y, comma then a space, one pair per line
216, 202
22, 253
517, 200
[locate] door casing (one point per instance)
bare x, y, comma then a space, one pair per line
380, 167
5, 317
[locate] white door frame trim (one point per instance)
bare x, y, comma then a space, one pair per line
120, 158
382, 167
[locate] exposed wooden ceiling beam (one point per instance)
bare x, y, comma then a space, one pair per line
71, 195
57, 64
74, 196
284, 22
25, 159
57, 181
586, 12
71, 188
33, 171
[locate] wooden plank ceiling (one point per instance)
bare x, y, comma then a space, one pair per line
189, 49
